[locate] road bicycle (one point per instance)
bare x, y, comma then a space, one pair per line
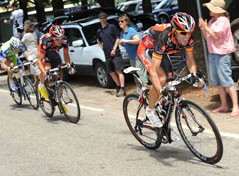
25, 88
196, 127
60, 94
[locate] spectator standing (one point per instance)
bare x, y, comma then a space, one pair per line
107, 39
130, 39
17, 17
30, 40
218, 35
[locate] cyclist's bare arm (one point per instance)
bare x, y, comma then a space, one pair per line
41, 56
5, 64
66, 56
191, 61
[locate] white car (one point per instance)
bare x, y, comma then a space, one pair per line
84, 51
134, 7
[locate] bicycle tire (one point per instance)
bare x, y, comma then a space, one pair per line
205, 142
16, 95
139, 126
31, 93
69, 104
47, 105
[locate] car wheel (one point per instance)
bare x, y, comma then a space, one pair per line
162, 19
235, 32
103, 78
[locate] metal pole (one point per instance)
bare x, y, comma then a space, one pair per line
203, 41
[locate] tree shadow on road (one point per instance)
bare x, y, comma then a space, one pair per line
168, 155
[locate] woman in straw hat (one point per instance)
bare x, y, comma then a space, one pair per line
220, 44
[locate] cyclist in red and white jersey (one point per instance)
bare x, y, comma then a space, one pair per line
48, 53
165, 39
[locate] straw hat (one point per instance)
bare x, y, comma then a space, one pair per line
216, 6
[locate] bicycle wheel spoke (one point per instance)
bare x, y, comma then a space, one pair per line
135, 117
69, 102
199, 133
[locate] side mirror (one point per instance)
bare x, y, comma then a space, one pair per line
77, 43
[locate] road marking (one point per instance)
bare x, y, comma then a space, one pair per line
83, 107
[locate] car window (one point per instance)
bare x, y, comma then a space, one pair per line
73, 34
90, 33
130, 8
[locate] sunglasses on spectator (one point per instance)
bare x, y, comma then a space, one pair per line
121, 21
183, 32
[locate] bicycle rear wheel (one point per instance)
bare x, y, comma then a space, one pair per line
16, 95
140, 127
199, 132
31, 94
47, 105
69, 104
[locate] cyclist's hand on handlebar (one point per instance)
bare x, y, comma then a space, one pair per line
197, 82
10, 69
71, 69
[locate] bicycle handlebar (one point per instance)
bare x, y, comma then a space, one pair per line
51, 71
172, 84
15, 68
57, 69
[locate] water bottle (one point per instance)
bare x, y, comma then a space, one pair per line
205, 89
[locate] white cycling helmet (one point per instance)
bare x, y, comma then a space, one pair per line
15, 43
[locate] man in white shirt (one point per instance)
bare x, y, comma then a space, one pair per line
17, 17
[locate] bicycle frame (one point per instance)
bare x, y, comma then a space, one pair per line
53, 75
169, 92
20, 69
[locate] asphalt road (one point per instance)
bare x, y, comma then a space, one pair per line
100, 144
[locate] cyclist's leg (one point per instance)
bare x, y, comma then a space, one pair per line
164, 73
41, 86
7, 63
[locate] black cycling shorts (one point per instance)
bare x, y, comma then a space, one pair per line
53, 58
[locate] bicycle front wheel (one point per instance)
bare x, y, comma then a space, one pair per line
68, 102
16, 94
140, 127
199, 132
31, 94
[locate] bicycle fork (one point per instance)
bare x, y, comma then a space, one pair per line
182, 105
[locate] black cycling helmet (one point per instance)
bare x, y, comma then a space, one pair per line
182, 21
56, 31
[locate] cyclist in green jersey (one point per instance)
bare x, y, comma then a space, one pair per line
9, 53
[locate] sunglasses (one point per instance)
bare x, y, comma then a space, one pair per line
184, 33
122, 21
